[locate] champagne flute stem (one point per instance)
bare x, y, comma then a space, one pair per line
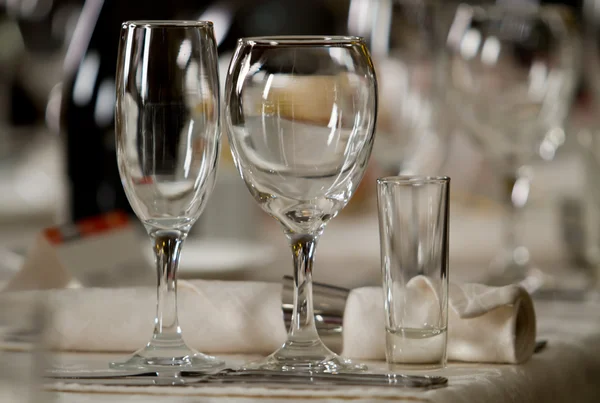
167, 248
303, 329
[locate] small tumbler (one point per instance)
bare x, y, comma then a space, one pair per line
413, 230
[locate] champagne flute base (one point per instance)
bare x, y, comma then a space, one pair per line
305, 357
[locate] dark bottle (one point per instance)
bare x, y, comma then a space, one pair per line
88, 99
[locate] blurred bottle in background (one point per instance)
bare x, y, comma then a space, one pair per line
88, 101
11, 45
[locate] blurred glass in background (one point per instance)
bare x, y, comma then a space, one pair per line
511, 76
34, 36
406, 41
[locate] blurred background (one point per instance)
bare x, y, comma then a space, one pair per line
438, 115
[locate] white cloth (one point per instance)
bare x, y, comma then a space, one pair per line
215, 316
485, 324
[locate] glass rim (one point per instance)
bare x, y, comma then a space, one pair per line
302, 40
167, 24
413, 180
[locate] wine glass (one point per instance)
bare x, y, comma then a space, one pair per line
510, 76
404, 39
300, 114
168, 140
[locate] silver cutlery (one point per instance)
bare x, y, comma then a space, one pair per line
229, 376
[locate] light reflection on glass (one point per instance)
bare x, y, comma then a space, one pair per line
83, 88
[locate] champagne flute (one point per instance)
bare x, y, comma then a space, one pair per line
168, 139
300, 114
511, 74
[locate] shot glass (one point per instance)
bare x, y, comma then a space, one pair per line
413, 230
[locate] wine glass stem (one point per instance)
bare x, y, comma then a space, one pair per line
303, 329
516, 193
167, 247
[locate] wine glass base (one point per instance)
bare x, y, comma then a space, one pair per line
309, 358
169, 360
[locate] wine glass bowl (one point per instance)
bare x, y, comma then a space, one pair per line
300, 114
168, 139
301, 141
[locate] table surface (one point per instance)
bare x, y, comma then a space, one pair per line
567, 370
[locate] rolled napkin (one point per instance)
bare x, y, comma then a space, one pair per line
216, 317
485, 324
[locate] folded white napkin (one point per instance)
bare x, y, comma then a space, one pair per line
485, 324
215, 316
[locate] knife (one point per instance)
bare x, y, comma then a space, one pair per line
231, 376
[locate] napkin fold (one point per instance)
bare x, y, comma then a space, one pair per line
485, 324
216, 317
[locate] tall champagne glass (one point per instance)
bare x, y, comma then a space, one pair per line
511, 74
300, 114
168, 139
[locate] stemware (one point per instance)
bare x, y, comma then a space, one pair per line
405, 41
300, 114
510, 76
168, 139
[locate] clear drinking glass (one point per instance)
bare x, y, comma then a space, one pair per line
168, 139
413, 228
510, 77
300, 114
405, 41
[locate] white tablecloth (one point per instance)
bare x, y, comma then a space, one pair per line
566, 371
